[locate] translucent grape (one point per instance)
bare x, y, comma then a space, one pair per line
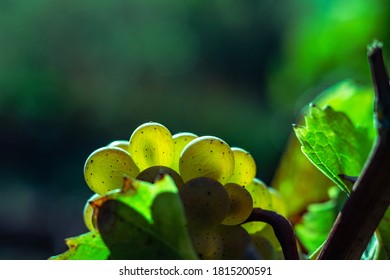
180, 140
123, 144
244, 167
278, 203
240, 204
151, 144
205, 202
260, 194
235, 242
106, 167
207, 243
88, 213
261, 199
207, 156
152, 173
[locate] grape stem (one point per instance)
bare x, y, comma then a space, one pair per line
282, 229
370, 197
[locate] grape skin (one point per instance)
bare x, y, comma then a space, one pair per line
152, 173
206, 202
180, 140
151, 144
207, 243
207, 156
106, 167
88, 213
241, 204
244, 167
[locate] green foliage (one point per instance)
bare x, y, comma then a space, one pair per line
297, 179
142, 221
338, 143
332, 143
88, 246
316, 223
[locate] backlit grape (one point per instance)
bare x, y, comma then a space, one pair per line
155, 172
123, 144
207, 156
205, 202
278, 203
207, 243
244, 167
88, 212
260, 194
151, 144
106, 167
240, 204
180, 140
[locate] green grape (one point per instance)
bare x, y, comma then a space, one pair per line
205, 202
207, 156
152, 173
180, 140
88, 213
244, 167
268, 233
264, 247
261, 199
260, 194
123, 144
207, 243
240, 204
236, 242
278, 203
151, 144
106, 167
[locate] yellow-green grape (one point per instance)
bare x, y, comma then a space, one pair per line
151, 144
241, 204
206, 202
106, 167
207, 156
155, 172
180, 140
88, 213
260, 194
207, 243
261, 199
236, 242
123, 144
244, 167
264, 247
268, 233
278, 203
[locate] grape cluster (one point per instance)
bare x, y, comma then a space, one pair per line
216, 184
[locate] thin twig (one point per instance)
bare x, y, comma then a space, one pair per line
370, 197
282, 229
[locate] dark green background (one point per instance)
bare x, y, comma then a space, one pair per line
76, 75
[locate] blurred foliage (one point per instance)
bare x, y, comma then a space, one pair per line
298, 180
76, 75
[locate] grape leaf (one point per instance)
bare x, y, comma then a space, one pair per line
297, 179
140, 221
316, 223
88, 246
144, 221
332, 144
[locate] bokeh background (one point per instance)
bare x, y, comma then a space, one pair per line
76, 75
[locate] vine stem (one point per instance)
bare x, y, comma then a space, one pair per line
370, 196
282, 229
